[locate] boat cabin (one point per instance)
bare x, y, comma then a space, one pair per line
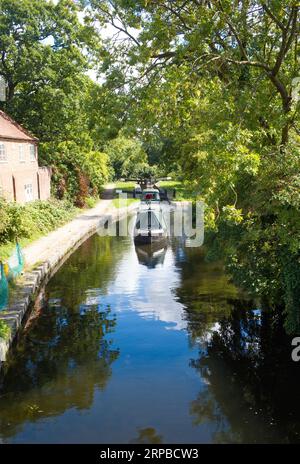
150, 226
148, 220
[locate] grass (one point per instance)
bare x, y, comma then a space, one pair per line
125, 185
9, 248
124, 202
183, 190
169, 184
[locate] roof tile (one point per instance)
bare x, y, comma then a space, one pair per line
9, 129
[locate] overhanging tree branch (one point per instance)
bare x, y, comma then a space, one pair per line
287, 38
273, 17
111, 19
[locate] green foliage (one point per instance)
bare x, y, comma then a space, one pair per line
204, 92
78, 171
97, 169
145, 171
125, 185
42, 46
214, 99
123, 203
16, 222
46, 51
4, 330
212, 90
183, 191
127, 157
91, 202
232, 215
34, 218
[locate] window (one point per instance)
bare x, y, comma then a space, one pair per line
153, 222
21, 153
142, 222
3, 154
28, 192
32, 153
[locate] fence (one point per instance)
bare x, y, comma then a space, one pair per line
9, 271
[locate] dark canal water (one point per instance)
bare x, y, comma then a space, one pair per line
129, 347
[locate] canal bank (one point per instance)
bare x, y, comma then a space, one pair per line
44, 257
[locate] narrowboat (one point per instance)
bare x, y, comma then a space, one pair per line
150, 226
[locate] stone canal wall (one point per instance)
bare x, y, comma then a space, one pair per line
44, 257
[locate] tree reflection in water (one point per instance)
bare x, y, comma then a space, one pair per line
59, 364
251, 384
148, 436
247, 387
252, 392
65, 353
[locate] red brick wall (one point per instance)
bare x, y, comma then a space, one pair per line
44, 176
23, 178
6, 185
24, 172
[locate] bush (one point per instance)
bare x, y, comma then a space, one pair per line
16, 223
91, 202
39, 217
78, 171
4, 330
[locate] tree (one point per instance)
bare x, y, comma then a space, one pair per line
127, 156
41, 41
43, 60
247, 39
77, 170
215, 79
46, 51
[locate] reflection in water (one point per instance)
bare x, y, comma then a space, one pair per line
125, 348
151, 255
66, 358
148, 436
250, 355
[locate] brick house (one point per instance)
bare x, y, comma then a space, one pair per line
21, 178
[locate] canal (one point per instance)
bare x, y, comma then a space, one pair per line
131, 346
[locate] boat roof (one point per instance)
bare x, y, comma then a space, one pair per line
149, 207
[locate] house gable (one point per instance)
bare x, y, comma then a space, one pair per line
21, 179
11, 130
